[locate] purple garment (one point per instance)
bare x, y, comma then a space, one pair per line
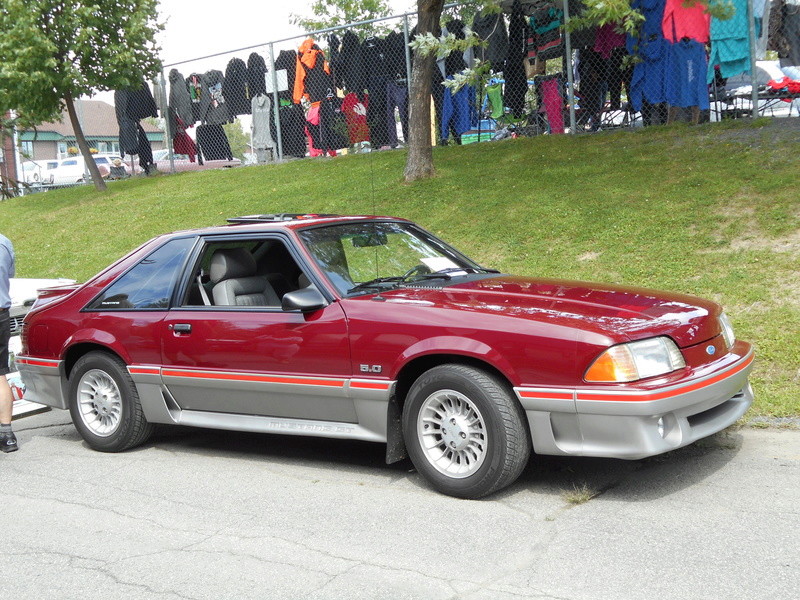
606, 39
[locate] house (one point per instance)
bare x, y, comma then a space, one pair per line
99, 123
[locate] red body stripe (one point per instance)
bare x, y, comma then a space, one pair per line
647, 397
37, 362
253, 377
369, 385
546, 395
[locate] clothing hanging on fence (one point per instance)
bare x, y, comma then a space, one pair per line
213, 143
313, 134
375, 59
263, 115
332, 125
144, 151
545, 41
730, 44
256, 72
585, 37
293, 123
287, 61
516, 80
130, 107
686, 81
685, 21
791, 31
396, 97
491, 29
458, 112
313, 74
335, 58
355, 112
179, 100
235, 88
181, 142
213, 104
194, 83
352, 75
648, 84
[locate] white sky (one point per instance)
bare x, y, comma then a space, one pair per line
192, 30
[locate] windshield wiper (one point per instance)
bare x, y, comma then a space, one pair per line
449, 272
374, 283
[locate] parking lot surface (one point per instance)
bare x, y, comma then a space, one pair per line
215, 514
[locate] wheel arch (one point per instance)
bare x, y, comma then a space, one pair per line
416, 367
77, 351
408, 374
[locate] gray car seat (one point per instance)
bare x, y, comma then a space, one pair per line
233, 273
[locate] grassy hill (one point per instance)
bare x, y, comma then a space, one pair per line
710, 210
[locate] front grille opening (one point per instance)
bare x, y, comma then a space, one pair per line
16, 324
713, 413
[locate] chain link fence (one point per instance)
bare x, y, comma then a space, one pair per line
346, 89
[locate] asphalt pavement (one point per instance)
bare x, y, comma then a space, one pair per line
201, 514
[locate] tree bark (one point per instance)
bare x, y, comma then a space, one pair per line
94, 172
419, 162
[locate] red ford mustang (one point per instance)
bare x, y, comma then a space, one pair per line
371, 328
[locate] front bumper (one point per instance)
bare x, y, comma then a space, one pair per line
633, 422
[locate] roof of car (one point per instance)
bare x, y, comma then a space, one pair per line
298, 220
276, 221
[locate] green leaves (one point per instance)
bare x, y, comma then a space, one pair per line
54, 48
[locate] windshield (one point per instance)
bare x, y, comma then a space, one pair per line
360, 258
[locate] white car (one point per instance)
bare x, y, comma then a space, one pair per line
36, 173
73, 170
23, 292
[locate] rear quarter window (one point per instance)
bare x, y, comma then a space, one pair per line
149, 284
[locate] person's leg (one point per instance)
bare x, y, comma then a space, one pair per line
8, 443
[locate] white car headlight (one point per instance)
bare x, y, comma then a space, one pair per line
636, 360
727, 330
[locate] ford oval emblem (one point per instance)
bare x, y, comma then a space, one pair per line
710, 350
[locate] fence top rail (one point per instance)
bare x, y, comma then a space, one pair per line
308, 34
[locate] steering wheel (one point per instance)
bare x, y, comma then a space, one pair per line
417, 270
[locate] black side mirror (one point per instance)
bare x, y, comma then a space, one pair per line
305, 300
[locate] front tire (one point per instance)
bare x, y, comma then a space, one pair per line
465, 432
104, 404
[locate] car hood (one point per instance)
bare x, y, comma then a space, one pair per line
618, 312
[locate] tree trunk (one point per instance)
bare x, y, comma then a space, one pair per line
419, 162
94, 172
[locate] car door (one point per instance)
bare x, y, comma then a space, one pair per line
256, 360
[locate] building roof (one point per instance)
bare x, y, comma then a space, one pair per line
99, 121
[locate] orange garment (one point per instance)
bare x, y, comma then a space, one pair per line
307, 56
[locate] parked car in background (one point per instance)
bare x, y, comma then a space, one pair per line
371, 328
23, 293
182, 162
73, 170
36, 173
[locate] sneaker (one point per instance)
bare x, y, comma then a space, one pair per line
8, 441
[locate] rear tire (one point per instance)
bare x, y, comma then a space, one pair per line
465, 432
104, 404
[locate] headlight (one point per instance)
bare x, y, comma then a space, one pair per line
727, 330
636, 360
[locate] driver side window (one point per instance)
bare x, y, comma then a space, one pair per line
248, 273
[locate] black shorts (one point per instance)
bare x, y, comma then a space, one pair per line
5, 334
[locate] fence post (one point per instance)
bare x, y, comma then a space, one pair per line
569, 66
167, 128
408, 51
751, 31
275, 101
